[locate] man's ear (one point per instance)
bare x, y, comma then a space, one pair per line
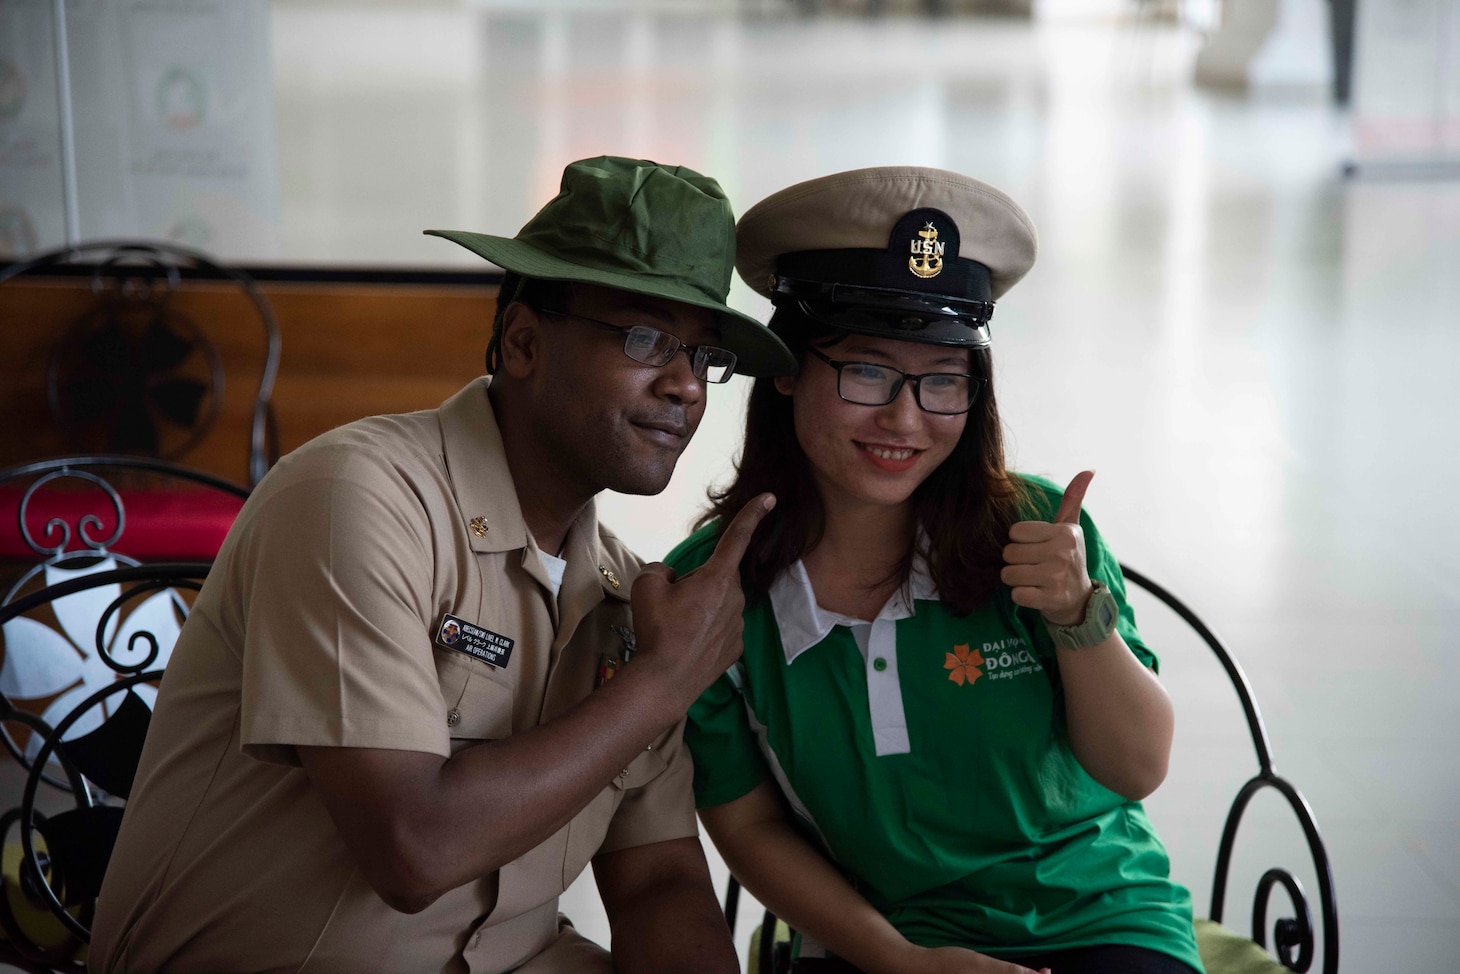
521, 340
786, 384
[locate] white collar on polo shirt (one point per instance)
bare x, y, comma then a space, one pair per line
803, 623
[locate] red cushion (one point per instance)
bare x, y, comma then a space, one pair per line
176, 524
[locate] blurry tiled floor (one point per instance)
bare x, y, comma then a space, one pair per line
1258, 358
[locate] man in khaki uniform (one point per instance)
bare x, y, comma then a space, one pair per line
402, 716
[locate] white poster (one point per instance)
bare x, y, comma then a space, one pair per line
173, 116
1407, 83
32, 216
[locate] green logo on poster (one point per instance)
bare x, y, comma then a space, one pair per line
181, 99
191, 230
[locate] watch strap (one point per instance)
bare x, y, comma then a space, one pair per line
1101, 613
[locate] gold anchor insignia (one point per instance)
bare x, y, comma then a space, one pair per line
612, 578
927, 254
479, 526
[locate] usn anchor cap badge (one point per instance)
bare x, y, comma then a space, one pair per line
927, 254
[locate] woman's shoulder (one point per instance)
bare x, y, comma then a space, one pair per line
695, 550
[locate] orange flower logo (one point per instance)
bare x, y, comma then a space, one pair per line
965, 665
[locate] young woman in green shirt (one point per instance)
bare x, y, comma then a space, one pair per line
932, 753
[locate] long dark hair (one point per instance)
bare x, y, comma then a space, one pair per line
964, 508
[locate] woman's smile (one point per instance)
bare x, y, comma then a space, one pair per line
893, 459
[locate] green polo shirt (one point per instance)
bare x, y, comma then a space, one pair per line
927, 753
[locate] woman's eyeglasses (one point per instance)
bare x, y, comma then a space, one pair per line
869, 384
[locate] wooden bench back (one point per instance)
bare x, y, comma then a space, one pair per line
350, 349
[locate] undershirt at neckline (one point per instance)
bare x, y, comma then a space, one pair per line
555, 568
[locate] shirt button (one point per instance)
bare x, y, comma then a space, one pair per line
624, 773
453, 717
879, 664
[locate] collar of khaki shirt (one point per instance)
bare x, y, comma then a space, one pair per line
487, 500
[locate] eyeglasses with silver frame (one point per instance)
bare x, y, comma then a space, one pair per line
650, 346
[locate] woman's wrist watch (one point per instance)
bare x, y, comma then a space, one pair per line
1099, 622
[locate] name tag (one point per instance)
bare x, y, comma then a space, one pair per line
478, 643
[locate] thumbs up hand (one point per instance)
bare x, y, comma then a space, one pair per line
1044, 563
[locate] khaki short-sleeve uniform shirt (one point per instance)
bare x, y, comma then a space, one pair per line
321, 625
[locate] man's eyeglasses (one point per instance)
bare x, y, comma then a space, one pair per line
654, 347
868, 384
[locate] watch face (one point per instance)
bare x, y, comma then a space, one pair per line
1105, 612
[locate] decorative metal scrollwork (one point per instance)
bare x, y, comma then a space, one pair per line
50, 745
89, 646
1287, 932
154, 646
56, 524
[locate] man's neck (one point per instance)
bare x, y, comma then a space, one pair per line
549, 499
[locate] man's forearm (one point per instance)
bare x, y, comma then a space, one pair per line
531, 784
447, 821
663, 910
675, 928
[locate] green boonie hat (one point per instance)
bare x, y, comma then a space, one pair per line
662, 231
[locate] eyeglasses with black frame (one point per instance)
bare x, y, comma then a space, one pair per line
650, 346
870, 384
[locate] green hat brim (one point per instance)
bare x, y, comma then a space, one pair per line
757, 351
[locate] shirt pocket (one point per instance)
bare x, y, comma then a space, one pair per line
477, 703
589, 827
641, 770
